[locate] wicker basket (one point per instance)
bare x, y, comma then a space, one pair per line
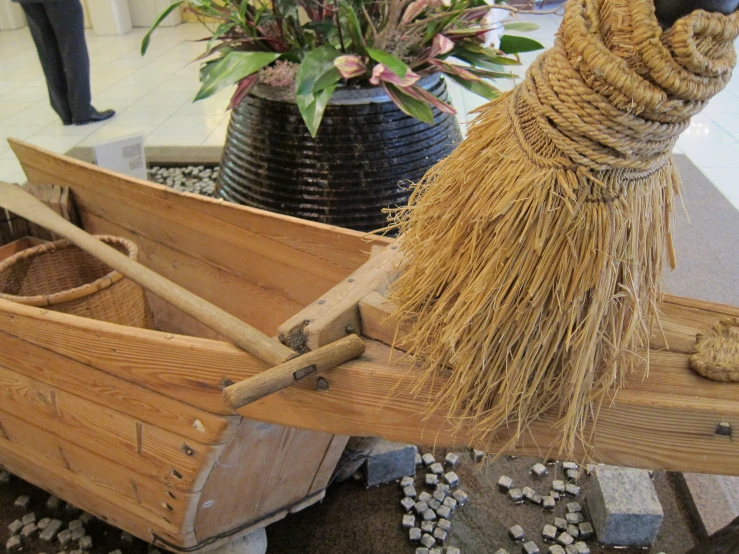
64, 278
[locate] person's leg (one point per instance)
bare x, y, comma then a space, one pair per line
51, 61
67, 20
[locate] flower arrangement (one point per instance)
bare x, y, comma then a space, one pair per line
315, 46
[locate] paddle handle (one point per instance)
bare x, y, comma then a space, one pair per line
277, 378
241, 334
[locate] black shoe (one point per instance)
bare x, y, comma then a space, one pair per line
96, 116
66, 122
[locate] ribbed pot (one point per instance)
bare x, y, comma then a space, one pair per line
364, 156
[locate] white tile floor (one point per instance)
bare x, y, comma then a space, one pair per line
153, 96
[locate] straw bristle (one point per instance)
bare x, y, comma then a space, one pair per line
536, 295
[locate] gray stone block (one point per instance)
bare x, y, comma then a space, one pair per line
424, 497
28, 518
113, 552
409, 520
461, 497
419, 461
15, 527
572, 490
571, 549
573, 474
554, 494
574, 518
432, 479
516, 533
452, 550
427, 540
549, 532
505, 483
477, 455
14, 544
444, 511
450, 502
537, 499
4, 477
565, 539
443, 487
414, 534
501, 551
530, 548
451, 459
422, 550
406, 481
444, 524
428, 459
435, 550
556, 549
548, 503
126, 537
65, 537
407, 504
410, 491
86, 517
581, 548
86, 542
624, 506
77, 534
516, 495
22, 502
573, 531
560, 523
586, 530
573, 507
539, 470
428, 526
75, 524
429, 515
437, 468
53, 503
43, 523
440, 535
566, 466
29, 530
420, 507
528, 493
558, 485
452, 479
439, 494
434, 504
389, 461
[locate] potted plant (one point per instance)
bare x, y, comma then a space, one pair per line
340, 103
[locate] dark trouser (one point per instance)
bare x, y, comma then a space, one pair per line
58, 29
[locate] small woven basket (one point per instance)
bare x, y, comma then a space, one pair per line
62, 277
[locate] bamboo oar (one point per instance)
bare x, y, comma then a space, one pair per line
290, 367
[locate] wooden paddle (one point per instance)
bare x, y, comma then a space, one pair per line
290, 367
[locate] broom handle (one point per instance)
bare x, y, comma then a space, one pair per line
241, 334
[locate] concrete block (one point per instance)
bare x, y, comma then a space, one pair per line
556, 495
388, 461
461, 497
451, 459
573, 531
409, 520
505, 483
581, 548
450, 502
566, 466
439, 494
586, 530
572, 490
440, 535
530, 548
452, 479
516, 495
624, 506
539, 470
29, 531
444, 511
414, 534
432, 479
574, 518
410, 491
477, 455
427, 540
428, 459
516, 532
434, 504
528, 493
419, 461
65, 537
572, 474
420, 507
560, 523
429, 515
424, 497
406, 481
549, 532
573, 507
712, 500
537, 499
444, 524
548, 503
437, 468
86, 542
558, 485
565, 539
556, 549
407, 504
15, 527
428, 526
22, 502
14, 544
443, 487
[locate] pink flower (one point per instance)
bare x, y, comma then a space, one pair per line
350, 66
382, 73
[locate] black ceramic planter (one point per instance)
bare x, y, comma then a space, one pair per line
365, 155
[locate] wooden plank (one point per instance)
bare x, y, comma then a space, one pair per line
117, 394
158, 499
91, 497
274, 464
328, 464
14, 247
335, 314
142, 447
258, 306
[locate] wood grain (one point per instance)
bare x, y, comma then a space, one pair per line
16, 246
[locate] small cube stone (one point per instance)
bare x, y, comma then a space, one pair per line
574, 518
572, 489
571, 549
75, 524
586, 530
44, 523
565, 539
477, 455
505, 483
573, 474
435, 550
437, 468
410, 491
444, 524
444, 511
53, 503
539, 470
560, 523
86, 542
549, 532
558, 485
516, 495
582, 548
420, 507
573, 507
439, 495
443, 487
64, 537
77, 534
126, 537
548, 503
516, 533
406, 482
424, 497
530, 548
501, 551
15, 527
14, 544
554, 494
414, 534
450, 502
440, 535
71, 508
569, 465
452, 479
434, 504
419, 460
461, 497
427, 540
409, 520
22, 502
573, 531
556, 549
422, 550
86, 517
452, 550
29, 518
4, 477
428, 459
429, 515
537, 499
451, 459
432, 479
407, 504
428, 526
29, 530
528, 493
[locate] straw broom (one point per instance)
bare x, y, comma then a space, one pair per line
533, 253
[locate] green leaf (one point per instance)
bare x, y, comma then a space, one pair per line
162, 16
355, 29
511, 44
409, 105
233, 67
388, 60
481, 88
221, 30
242, 9
522, 26
491, 74
312, 106
317, 70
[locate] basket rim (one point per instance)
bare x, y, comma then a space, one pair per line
70, 294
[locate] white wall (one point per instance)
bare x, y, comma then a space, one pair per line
11, 16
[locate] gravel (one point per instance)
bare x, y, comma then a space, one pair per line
197, 179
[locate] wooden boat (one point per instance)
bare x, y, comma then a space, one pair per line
130, 424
